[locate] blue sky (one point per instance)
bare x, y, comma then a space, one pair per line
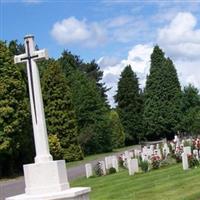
114, 33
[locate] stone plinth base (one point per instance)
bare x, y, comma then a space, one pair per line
46, 177
77, 193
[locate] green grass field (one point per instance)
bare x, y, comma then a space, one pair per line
170, 183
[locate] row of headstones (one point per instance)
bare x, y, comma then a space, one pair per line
112, 162
187, 151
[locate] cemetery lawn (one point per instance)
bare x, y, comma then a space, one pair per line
169, 183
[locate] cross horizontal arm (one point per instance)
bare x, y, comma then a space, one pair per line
20, 58
40, 54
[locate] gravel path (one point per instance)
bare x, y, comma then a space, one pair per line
16, 186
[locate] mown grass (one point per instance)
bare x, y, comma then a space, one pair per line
97, 156
169, 183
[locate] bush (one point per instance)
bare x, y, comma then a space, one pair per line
55, 147
98, 169
168, 161
112, 170
144, 166
155, 162
121, 162
192, 161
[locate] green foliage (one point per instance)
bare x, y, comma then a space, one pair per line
112, 170
193, 161
15, 139
162, 98
59, 111
91, 111
144, 166
129, 105
190, 121
118, 135
55, 147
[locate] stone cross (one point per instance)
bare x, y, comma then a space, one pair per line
37, 110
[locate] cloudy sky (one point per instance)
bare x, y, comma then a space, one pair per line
114, 33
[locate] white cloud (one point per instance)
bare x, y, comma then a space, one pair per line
72, 30
138, 57
180, 38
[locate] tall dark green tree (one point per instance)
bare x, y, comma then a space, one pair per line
15, 142
59, 111
162, 98
93, 119
92, 114
94, 72
190, 107
129, 105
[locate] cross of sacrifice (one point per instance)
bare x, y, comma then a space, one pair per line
37, 110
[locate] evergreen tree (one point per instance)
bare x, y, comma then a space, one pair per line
15, 139
93, 122
93, 71
129, 105
190, 120
118, 135
162, 98
60, 114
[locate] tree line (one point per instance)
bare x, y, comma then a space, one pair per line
78, 115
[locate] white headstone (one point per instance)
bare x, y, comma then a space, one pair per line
103, 167
185, 161
187, 150
115, 163
45, 179
88, 170
196, 154
135, 165
131, 170
108, 162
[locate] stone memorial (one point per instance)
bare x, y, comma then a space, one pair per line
44, 179
135, 165
185, 161
103, 167
130, 167
88, 170
108, 162
187, 150
115, 163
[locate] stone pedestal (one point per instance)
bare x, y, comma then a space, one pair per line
78, 193
48, 181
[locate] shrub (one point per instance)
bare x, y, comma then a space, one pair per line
192, 161
155, 161
98, 169
121, 162
144, 166
112, 170
55, 147
168, 161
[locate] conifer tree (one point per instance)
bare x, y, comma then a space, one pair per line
93, 120
15, 139
162, 98
59, 111
118, 135
129, 105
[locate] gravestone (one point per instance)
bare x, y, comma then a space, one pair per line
88, 170
185, 161
115, 163
103, 167
196, 154
108, 162
44, 179
131, 170
135, 165
187, 150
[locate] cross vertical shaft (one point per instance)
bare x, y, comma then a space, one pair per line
37, 109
